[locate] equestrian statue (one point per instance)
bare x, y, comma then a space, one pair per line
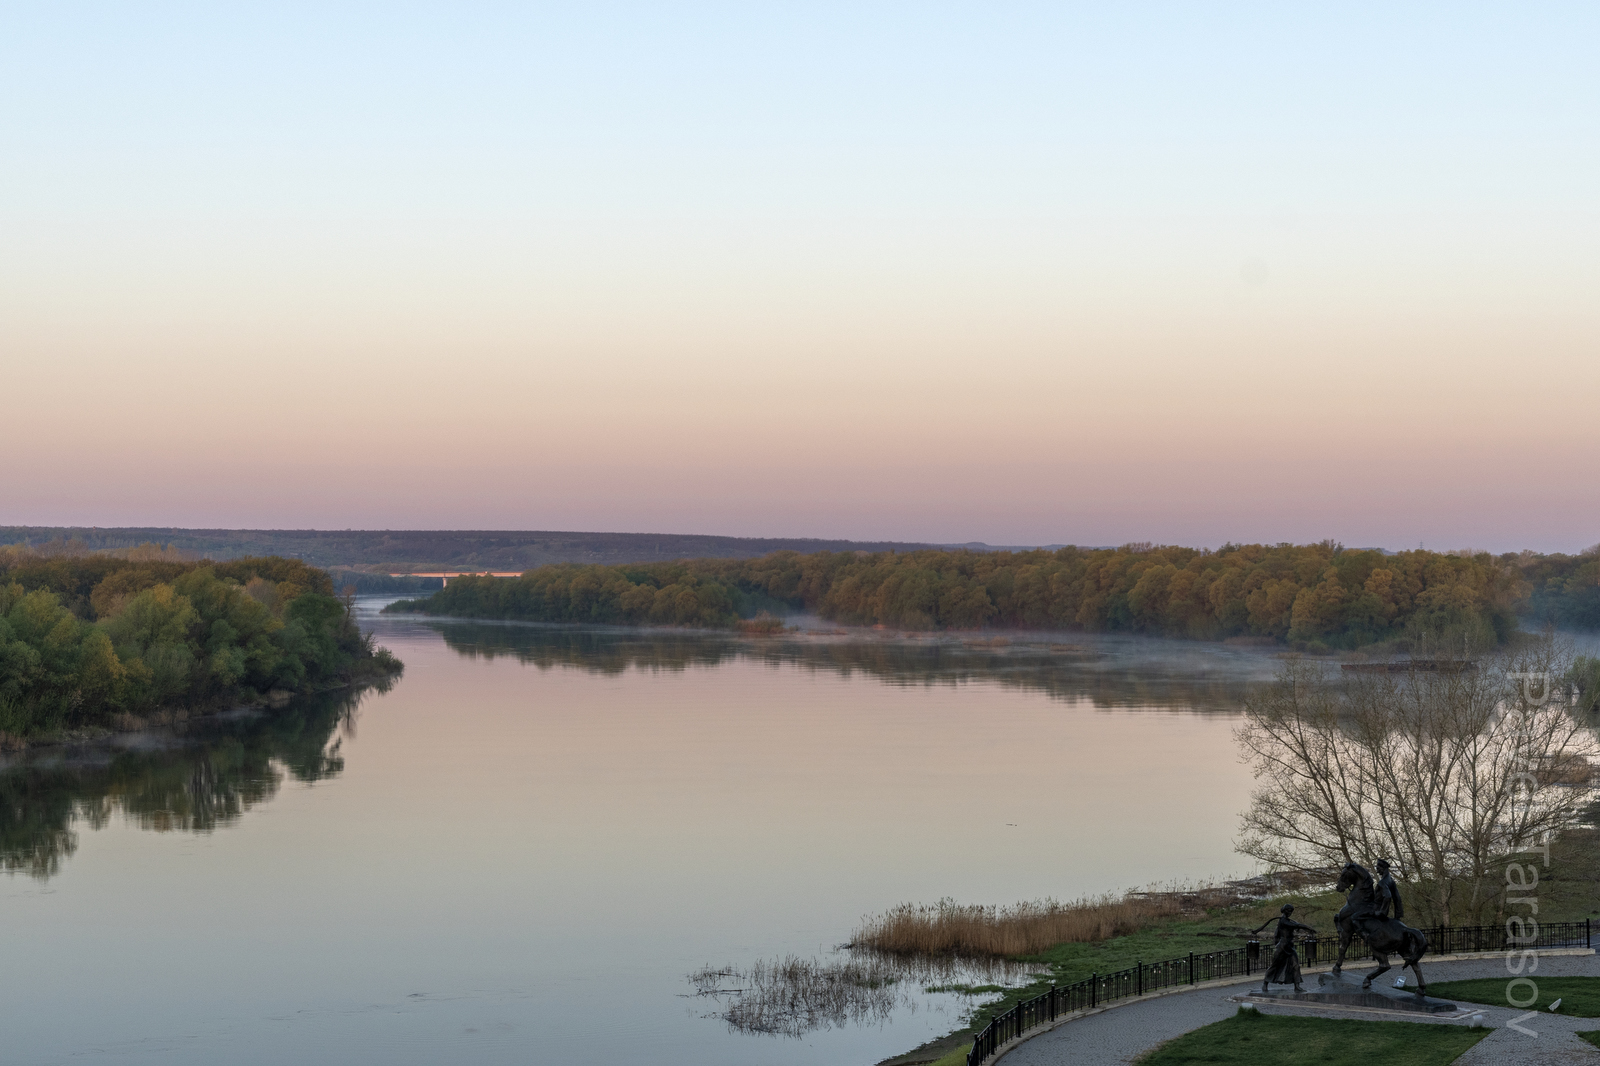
1366, 911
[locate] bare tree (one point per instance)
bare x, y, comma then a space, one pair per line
1446, 771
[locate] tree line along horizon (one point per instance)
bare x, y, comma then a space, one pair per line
1311, 597
107, 639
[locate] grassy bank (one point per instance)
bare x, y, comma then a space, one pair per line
1170, 937
1569, 891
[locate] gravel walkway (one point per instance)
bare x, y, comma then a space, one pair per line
1120, 1035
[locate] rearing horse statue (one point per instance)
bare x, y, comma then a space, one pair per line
1364, 913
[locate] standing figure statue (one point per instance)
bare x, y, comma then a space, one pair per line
1367, 912
1284, 969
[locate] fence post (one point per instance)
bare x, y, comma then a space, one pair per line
1094, 989
1138, 976
1191, 967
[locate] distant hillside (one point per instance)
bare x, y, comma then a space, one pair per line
408, 549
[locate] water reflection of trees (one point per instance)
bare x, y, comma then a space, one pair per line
206, 778
1115, 673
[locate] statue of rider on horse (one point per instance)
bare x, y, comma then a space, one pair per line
1367, 912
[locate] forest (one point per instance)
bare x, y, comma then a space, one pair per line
681, 593
369, 552
102, 640
1312, 596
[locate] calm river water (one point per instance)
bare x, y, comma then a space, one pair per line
520, 851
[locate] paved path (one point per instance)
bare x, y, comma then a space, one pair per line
1118, 1036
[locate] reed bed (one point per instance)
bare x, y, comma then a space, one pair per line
762, 625
948, 928
794, 996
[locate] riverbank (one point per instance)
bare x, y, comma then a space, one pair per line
1315, 597
1135, 1027
1220, 918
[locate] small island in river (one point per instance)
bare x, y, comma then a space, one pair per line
107, 641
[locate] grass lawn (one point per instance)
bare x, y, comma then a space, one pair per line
1579, 996
1250, 1038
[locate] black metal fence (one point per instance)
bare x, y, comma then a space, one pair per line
1144, 978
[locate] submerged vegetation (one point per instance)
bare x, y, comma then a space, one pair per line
1315, 596
103, 640
794, 996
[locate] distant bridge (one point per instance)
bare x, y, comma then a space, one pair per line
446, 575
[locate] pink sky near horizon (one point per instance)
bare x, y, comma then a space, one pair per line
1253, 278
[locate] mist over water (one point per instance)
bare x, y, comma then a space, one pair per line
531, 840
1109, 671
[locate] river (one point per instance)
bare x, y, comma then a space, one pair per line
519, 851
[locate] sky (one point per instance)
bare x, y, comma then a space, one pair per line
1022, 273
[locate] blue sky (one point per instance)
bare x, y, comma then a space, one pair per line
1060, 273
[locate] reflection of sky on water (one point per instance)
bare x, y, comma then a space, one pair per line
508, 848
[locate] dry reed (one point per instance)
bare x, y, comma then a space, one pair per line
948, 928
794, 996
762, 625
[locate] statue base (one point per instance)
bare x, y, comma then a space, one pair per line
1344, 990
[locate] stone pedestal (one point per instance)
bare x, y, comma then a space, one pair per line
1345, 990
